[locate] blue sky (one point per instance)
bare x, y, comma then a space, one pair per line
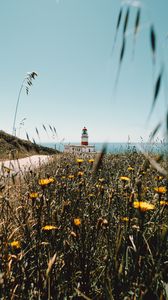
69, 44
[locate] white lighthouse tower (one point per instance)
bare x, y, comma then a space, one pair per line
81, 148
84, 137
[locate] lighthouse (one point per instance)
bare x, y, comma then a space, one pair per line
83, 147
84, 137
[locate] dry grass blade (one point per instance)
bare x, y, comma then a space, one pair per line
80, 294
27, 137
156, 90
119, 19
99, 159
117, 27
37, 133
122, 50
50, 265
137, 22
126, 20
155, 164
153, 42
156, 129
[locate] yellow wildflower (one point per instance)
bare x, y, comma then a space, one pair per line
124, 219
71, 176
91, 160
33, 195
143, 206
80, 173
160, 189
77, 222
15, 244
163, 203
130, 169
46, 181
49, 227
124, 178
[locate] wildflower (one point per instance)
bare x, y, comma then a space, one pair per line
163, 203
79, 160
33, 195
46, 181
91, 160
124, 178
159, 177
15, 244
77, 222
130, 169
49, 227
124, 219
160, 189
143, 206
71, 176
80, 173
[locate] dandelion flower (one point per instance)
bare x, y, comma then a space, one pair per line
124, 219
15, 244
71, 176
49, 227
46, 181
143, 206
79, 161
163, 203
130, 169
80, 173
33, 195
160, 189
124, 178
77, 222
91, 160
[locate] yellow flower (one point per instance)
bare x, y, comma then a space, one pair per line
125, 219
33, 195
77, 222
124, 178
79, 160
130, 169
15, 244
49, 227
163, 203
143, 206
160, 189
91, 160
46, 181
80, 173
159, 177
71, 176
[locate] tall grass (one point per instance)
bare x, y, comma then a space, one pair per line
85, 229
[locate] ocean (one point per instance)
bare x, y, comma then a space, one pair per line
119, 147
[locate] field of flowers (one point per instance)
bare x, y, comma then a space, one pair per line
85, 228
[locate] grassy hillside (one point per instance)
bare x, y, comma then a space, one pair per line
13, 147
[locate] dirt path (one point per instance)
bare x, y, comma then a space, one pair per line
23, 164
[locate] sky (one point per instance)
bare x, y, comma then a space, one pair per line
70, 45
